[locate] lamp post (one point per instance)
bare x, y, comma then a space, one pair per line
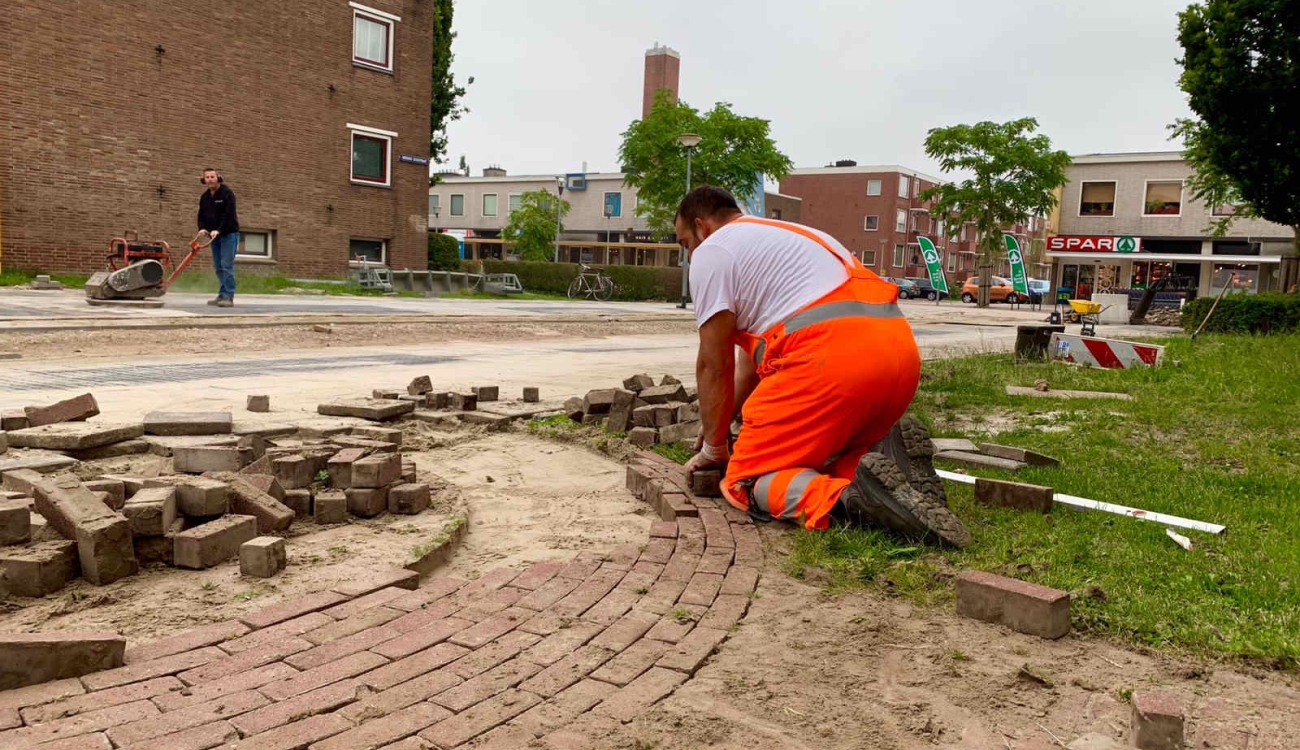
687, 141
559, 203
436, 211
608, 215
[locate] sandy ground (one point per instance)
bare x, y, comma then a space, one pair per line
528, 500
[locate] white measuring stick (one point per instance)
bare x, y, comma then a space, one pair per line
1119, 510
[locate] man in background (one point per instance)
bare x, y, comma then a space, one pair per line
217, 217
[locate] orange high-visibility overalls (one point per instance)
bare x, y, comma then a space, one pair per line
834, 377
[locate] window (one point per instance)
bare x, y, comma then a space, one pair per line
916, 188
868, 257
457, 204
433, 205
614, 204
489, 204
873, 187
952, 261
870, 223
254, 244
900, 221
1223, 211
1097, 199
776, 214
372, 153
903, 184
372, 38
374, 251
1164, 198
898, 256
938, 228
516, 201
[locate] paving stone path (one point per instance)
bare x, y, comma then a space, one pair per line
549, 654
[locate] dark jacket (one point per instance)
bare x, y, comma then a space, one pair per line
217, 211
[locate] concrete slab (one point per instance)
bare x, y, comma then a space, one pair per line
187, 423
74, 435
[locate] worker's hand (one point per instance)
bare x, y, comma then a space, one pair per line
709, 457
213, 235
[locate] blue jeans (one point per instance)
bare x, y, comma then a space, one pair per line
223, 261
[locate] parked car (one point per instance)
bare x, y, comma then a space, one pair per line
925, 289
1000, 290
1039, 290
907, 289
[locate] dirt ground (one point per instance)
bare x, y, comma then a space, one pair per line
127, 342
528, 500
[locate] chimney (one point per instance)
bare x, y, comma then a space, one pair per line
846, 163
494, 172
662, 69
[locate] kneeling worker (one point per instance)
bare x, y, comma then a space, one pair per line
828, 368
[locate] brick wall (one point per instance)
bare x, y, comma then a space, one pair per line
783, 207
662, 70
117, 107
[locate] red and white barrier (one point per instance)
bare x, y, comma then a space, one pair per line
1112, 354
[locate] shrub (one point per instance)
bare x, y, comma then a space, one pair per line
631, 283
1245, 313
444, 252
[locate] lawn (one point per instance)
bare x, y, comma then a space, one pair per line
205, 281
1214, 435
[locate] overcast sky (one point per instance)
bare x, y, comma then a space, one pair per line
557, 82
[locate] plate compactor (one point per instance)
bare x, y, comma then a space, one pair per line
139, 272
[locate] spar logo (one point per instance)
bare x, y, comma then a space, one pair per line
931, 254
1014, 256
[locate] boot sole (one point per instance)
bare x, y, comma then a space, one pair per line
908, 443
882, 495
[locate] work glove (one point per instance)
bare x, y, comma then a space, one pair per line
709, 457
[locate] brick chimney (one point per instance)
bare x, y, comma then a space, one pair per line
662, 68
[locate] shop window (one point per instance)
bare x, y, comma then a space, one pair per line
1236, 277
870, 223
1097, 199
873, 187
1163, 198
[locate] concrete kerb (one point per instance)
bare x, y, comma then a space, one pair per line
439, 550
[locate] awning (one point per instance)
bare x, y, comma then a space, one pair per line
1177, 257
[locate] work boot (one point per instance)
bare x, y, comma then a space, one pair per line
908, 443
214, 301
223, 302
881, 496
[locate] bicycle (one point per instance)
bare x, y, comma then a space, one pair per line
595, 285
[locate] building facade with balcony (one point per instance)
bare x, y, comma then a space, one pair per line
1126, 221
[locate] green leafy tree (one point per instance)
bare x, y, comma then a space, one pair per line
1241, 74
532, 227
1014, 175
734, 152
444, 252
445, 99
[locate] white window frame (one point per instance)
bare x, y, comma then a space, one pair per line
379, 17
868, 257
510, 201
1078, 208
604, 201
904, 184
387, 136
270, 245
899, 256
383, 251
1146, 185
435, 201
877, 186
482, 206
900, 220
451, 202
866, 223
952, 262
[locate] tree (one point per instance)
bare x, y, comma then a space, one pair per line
444, 252
444, 101
1014, 176
1241, 74
734, 153
464, 166
532, 228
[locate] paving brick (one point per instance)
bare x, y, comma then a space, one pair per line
641, 693
614, 605
439, 610
674, 626
506, 737
659, 550
749, 547
588, 593
199, 459
425, 637
214, 542
549, 593
702, 589
379, 470
36, 695
271, 514
400, 696
1156, 722
408, 499
250, 659
487, 605
374, 410
33, 658
691, 534
628, 630
475, 721
81, 724
417, 664
15, 522
579, 568
1019, 605
326, 674
320, 701
148, 670
681, 566
103, 536
716, 560
293, 608
39, 569
1015, 495
692, 650
484, 686
717, 531
235, 683
366, 502
429, 592
545, 623
73, 409
587, 732
632, 662
79, 704
187, 718
218, 733
508, 646
567, 670
262, 557
300, 734
386, 730
663, 530
343, 647
740, 580
727, 610
369, 601
675, 505
96, 741
363, 620
537, 574
562, 643
561, 709
399, 577
296, 626
661, 597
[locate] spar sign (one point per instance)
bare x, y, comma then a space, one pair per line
1018, 281
931, 255
1078, 243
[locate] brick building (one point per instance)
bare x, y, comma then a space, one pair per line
783, 207
663, 67
310, 109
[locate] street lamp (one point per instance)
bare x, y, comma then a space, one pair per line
687, 141
436, 211
559, 202
608, 215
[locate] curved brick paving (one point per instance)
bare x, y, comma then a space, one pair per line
549, 652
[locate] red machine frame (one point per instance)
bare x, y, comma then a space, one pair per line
129, 249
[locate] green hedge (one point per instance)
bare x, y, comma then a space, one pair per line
444, 252
1245, 313
631, 283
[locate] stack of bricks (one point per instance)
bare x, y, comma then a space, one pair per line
647, 413
558, 651
455, 407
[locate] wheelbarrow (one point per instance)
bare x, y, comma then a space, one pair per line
1088, 313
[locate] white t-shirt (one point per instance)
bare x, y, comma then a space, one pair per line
763, 274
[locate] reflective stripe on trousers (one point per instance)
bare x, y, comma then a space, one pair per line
777, 494
827, 312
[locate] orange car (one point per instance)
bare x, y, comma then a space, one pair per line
1000, 290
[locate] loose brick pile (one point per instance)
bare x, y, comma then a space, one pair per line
557, 651
648, 413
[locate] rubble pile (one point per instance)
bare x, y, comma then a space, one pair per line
648, 413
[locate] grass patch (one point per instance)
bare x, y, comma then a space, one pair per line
22, 278
470, 294
679, 452
1216, 439
262, 283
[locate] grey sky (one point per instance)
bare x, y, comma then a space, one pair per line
557, 82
